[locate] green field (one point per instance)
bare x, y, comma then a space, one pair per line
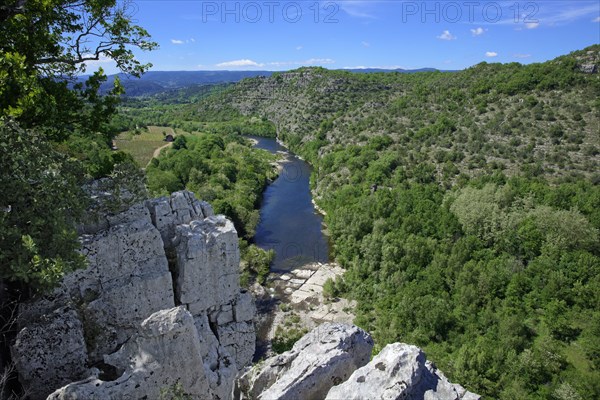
143, 145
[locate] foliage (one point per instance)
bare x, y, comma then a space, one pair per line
285, 338
44, 44
54, 126
258, 262
223, 170
40, 198
174, 392
464, 207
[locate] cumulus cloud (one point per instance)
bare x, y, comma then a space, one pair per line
365, 44
491, 54
478, 31
446, 35
310, 61
178, 41
532, 25
522, 55
240, 63
299, 48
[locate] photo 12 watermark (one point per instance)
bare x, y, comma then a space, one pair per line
330, 12
269, 11
469, 12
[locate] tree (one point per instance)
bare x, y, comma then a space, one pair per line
40, 198
44, 44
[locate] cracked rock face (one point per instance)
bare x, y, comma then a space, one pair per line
167, 341
324, 357
399, 371
62, 331
145, 259
331, 362
201, 246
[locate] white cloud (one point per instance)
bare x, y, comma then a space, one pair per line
491, 54
365, 44
310, 61
319, 61
532, 25
478, 31
177, 41
446, 35
521, 55
377, 67
299, 48
240, 63
597, 19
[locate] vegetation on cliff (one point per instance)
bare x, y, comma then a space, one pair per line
55, 127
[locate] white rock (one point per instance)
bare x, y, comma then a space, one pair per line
324, 357
239, 340
40, 371
207, 263
244, 308
165, 353
399, 371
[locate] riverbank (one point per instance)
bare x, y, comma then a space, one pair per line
294, 302
302, 293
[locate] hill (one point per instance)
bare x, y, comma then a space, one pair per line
465, 207
154, 82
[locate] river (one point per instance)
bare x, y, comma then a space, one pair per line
289, 223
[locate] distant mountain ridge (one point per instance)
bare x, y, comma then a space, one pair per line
153, 82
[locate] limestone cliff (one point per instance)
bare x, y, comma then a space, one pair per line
158, 313
116, 322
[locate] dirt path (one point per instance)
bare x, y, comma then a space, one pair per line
157, 151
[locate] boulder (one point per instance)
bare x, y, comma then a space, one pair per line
180, 208
324, 357
163, 359
399, 371
41, 370
127, 279
207, 268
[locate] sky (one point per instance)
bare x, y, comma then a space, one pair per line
283, 35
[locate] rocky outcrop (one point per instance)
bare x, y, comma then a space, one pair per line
324, 357
330, 363
399, 371
150, 257
167, 341
62, 331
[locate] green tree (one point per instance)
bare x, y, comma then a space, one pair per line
44, 44
40, 199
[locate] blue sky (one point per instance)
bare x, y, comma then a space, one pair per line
283, 35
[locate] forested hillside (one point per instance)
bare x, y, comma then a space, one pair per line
464, 206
